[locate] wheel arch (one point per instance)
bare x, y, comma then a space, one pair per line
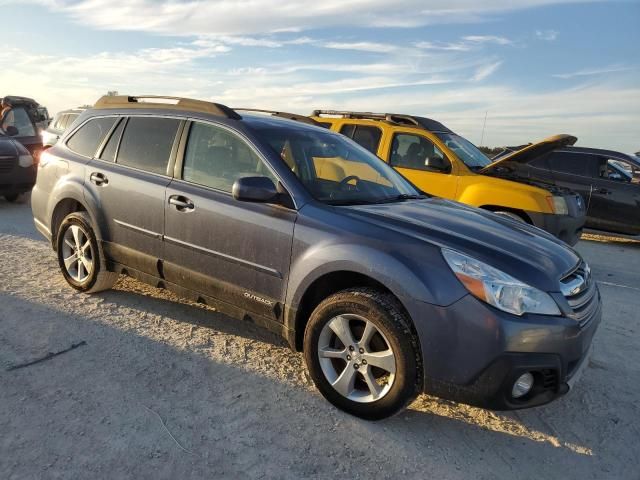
327, 284
498, 208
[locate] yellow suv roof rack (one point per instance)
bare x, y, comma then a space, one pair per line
395, 118
172, 103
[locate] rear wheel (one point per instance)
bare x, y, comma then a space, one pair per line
11, 198
361, 353
80, 257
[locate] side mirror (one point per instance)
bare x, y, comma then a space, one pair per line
437, 165
255, 189
12, 131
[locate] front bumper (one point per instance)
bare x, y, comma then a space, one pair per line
473, 353
567, 228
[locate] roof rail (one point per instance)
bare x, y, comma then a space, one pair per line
179, 103
389, 117
287, 115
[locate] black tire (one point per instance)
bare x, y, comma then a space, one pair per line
385, 312
12, 198
99, 278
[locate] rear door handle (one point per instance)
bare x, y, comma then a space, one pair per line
604, 191
182, 204
98, 178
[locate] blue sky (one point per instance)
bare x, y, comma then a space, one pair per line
535, 67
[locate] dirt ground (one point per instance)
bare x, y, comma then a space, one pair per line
164, 388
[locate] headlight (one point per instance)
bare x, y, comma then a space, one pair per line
497, 288
558, 205
25, 160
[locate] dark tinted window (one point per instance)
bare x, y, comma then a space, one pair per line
367, 137
146, 143
87, 139
418, 153
348, 130
109, 151
216, 158
19, 118
575, 163
324, 124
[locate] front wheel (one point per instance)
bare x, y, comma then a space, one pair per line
362, 354
80, 257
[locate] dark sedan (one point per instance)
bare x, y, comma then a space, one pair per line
608, 181
17, 168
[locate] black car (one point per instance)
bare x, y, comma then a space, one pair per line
608, 181
29, 118
17, 168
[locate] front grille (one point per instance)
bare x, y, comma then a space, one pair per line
549, 379
581, 293
7, 164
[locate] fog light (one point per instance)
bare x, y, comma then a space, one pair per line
523, 385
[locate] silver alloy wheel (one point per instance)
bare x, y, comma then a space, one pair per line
356, 369
77, 253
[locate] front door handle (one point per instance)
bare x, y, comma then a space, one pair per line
99, 179
182, 204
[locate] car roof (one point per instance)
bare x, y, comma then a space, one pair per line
600, 152
262, 121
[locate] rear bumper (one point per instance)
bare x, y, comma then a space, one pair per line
567, 228
474, 353
18, 180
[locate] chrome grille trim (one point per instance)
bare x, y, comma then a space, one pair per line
581, 293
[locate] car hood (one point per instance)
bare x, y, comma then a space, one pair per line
525, 252
533, 151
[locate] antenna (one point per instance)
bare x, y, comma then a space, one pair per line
483, 127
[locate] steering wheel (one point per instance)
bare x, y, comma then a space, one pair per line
346, 180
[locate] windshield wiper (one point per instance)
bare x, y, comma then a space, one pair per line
342, 203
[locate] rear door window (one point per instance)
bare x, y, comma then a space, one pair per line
147, 142
88, 137
364, 135
580, 164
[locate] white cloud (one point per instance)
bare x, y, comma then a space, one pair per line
361, 46
547, 35
466, 44
487, 39
594, 71
486, 71
225, 17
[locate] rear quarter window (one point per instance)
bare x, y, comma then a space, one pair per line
574, 164
147, 142
86, 140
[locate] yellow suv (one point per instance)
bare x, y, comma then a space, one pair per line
444, 164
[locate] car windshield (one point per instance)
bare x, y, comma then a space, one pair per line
334, 169
465, 150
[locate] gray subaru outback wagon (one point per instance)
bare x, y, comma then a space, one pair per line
388, 292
